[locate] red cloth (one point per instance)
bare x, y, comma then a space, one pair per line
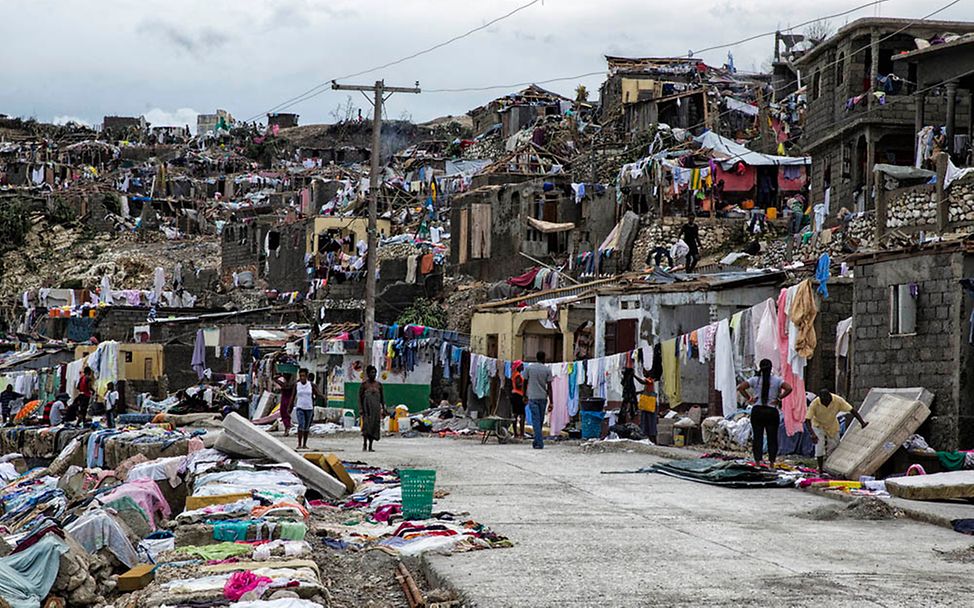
84, 386
426, 264
524, 280
735, 182
791, 185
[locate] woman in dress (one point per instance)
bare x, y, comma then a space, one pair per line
372, 408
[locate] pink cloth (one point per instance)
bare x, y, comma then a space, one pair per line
737, 182
559, 405
240, 583
793, 407
146, 494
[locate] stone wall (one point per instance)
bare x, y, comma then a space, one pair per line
928, 358
715, 235
915, 206
961, 208
861, 235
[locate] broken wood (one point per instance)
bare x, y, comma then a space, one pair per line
409, 587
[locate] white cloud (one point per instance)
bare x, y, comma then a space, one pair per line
63, 120
158, 117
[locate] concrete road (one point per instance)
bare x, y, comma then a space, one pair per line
586, 539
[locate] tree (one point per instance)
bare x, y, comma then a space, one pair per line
817, 32
343, 112
581, 94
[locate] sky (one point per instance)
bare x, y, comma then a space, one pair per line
170, 60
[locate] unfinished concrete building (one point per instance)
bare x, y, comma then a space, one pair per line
863, 105
499, 230
911, 327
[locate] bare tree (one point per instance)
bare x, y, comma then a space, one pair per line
343, 112
817, 32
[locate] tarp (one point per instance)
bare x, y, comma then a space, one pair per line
898, 172
730, 152
549, 227
727, 473
466, 167
27, 577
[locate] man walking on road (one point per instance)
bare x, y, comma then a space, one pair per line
821, 417
538, 379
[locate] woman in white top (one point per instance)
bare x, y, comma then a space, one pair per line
765, 405
305, 392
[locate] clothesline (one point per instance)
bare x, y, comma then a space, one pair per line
781, 331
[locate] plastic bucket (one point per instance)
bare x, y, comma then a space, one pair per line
417, 493
592, 425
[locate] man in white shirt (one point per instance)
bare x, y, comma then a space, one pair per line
57, 410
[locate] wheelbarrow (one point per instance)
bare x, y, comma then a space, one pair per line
496, 426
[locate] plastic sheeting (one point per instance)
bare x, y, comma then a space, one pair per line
96, 530
27, 577
730, 152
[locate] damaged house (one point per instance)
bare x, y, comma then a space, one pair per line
518, 110
499, 230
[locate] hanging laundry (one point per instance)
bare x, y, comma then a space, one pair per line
793, 407
802, 313
671, 373
725, 380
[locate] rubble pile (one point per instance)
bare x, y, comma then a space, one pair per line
52, 256
461, 300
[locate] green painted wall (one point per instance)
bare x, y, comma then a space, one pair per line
414, 396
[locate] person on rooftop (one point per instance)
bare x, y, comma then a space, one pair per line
690, 233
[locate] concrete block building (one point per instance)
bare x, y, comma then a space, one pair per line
911, 328
863, 105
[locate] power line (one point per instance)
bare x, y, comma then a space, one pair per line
324, 86
589, 74
816, 20
514, 86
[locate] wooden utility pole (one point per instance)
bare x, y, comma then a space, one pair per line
379, 90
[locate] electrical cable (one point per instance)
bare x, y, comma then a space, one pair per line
322, 87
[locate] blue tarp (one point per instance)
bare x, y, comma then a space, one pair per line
27, 577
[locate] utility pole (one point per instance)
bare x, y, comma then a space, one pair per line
379, 90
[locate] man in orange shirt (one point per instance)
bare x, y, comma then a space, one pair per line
517, 398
